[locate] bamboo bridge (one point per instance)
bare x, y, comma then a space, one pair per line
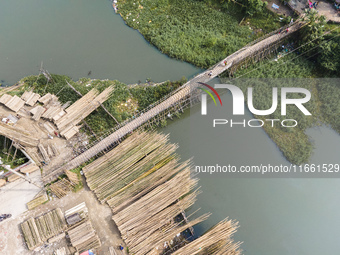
255, 50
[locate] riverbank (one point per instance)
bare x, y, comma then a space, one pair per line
124, 102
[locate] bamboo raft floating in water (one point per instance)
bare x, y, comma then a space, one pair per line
146, 187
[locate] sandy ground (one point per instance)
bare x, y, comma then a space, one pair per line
12, 242
15, 195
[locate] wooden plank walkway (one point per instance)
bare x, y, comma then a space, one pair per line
181, 93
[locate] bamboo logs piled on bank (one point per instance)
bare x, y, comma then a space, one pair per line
38, 230
42, 198
84, 237
137, 157
147, 188
80, 110
62, 187
217, 240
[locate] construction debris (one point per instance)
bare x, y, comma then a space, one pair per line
84, 237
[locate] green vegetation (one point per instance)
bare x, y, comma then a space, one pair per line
122, 104
199, 32
9, 155
324, 104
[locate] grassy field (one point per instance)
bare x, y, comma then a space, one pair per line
195, 31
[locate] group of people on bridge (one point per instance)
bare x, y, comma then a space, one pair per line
312, 5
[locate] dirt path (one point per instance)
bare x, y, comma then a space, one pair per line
12, 242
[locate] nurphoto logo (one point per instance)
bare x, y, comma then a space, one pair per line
239, 103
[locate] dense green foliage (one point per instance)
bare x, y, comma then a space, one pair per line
294, 144
148, 95
250, 7
329, 59
199, 32
7, 153
329, 94
99, 120
324, 104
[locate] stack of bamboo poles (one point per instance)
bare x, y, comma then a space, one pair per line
50, 224
15, 103
147, 188
217, 240
84, 237
36, 231
67, 124
30, 168
31, 234
30, 97
53, 111
37, 112
42, 198
43, 152
73, 177
149, 221
141, 186
45, 99
2, 182
4, 99
137, 157
18, 135
62, 187
76, 214
60, 251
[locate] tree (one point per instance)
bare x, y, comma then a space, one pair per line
311, 33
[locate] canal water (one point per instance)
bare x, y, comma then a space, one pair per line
278, 216
75, 37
